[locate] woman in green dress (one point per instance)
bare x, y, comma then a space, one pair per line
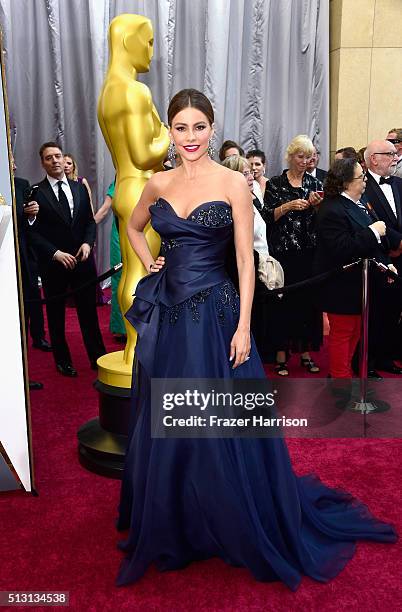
116, 319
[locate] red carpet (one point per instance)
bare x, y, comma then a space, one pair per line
65, 538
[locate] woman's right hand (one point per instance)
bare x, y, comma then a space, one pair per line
157, 265
298, 204
380, 227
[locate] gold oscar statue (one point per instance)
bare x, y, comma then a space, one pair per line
138, 143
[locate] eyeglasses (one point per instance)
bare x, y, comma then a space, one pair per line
361, 176
247, 173
387, 153
394, 140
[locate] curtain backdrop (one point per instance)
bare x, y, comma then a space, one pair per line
263, 63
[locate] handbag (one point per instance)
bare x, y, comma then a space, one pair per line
270, 271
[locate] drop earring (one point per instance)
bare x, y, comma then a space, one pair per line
171, 152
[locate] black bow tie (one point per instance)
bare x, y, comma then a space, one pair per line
384, 180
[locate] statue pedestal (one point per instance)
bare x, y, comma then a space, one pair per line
103, 440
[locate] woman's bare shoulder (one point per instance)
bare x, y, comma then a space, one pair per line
159, 180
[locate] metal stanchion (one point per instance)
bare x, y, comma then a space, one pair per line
361, 404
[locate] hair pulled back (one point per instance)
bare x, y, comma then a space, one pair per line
190, 98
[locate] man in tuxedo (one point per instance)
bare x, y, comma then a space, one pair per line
63, 234
312, 166
383, 196
34, 322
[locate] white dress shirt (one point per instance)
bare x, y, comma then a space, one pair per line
377, 235
65, 187
313, 172
386, 189
260, 233
257, 191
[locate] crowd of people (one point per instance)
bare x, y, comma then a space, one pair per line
57, 225
311, 226
306, 221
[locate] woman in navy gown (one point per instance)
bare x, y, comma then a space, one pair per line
234, 498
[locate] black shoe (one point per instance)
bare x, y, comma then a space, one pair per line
94, 365
374, 375
42, 345
391, 368
35, 386
66, 369
281, 368
307, 362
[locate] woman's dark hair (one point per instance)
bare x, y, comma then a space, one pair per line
256, 153
340, 174
229, 144
190, 98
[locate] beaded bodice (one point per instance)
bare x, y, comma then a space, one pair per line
208, 214
193, 276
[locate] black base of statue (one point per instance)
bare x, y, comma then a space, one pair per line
103, 440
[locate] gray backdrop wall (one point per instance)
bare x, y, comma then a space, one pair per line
263, 63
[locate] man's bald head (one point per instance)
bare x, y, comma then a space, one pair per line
381, 157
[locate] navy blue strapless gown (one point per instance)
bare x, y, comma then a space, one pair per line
237, 499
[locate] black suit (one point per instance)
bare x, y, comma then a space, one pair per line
386, 315
376, 198
320, 174
343, 236
29, 267
53, 230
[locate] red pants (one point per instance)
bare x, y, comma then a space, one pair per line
344, 335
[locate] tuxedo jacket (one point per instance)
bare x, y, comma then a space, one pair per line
21, 185
343, 236
53, 230
320, 174
27, 255
375, 198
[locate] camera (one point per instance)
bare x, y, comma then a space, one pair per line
30, 194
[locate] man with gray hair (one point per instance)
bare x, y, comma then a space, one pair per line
383, 190
384, 197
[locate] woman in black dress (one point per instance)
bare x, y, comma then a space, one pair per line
290, 205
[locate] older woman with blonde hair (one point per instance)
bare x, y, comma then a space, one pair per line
291, 202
